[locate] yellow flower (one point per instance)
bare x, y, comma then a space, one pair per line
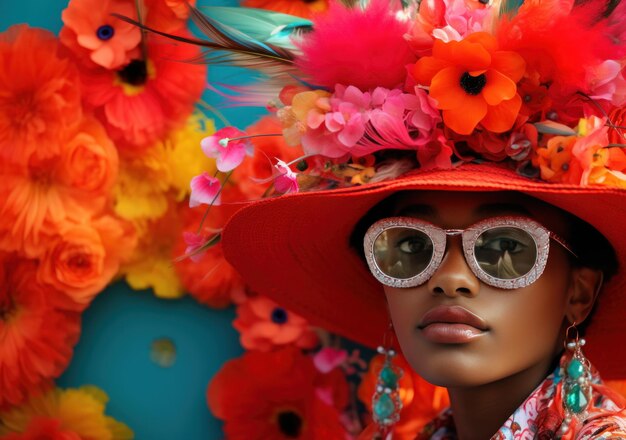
79, 411
142, 185
151, 265
184, 156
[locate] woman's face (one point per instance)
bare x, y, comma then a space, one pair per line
518, 329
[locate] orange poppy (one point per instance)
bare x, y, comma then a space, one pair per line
37, 332
273, 395
473, 83
264, 325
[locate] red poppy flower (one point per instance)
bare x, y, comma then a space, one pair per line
473, 83
272, 396
37, 332
264, 325
145, 99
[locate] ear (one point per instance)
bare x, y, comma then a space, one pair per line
584, 289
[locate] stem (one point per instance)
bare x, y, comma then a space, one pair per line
219, 191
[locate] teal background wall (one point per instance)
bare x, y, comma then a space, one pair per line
120, 326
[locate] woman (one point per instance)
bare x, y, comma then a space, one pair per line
462, 153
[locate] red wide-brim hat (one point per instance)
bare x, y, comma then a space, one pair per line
296, 250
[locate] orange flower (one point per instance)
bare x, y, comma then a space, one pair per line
555, 160
264, 325
37, 334
39, 99
82, 259
167, 15
300, 8
266, 150
272, 396
91, 32
421, 401
144, 100
473, 83
211, 279
44, 193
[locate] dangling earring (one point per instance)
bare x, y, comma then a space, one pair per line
576, 374
386, 403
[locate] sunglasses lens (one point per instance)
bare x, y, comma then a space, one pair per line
402, 252
506, 252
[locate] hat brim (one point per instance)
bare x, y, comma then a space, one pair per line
296, 250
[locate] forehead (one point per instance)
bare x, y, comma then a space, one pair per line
462, 208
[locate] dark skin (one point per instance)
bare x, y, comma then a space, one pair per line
490, 376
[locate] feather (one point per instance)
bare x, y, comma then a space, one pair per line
266, 26
227, 45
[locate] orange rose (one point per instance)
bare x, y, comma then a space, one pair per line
89, 161
82, 259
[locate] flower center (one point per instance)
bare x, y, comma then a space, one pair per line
279, 315
135, 73
105, 32
473, 85
290, 424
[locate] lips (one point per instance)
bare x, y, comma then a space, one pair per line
452, 325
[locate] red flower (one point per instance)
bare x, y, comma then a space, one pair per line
145, 99
272, 396
210, 279
473, 83
264, 325
37, 332
39, 97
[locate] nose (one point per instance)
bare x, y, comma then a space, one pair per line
454, 277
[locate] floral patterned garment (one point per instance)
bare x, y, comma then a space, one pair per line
541, 416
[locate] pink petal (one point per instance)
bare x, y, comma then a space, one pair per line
204, 190
328, 358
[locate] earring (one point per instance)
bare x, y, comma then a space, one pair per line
576, 374
386, 402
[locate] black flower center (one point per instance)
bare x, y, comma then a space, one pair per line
105, 32
290, 424
134, 73
279, 315
473, 85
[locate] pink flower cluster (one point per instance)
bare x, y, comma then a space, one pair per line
360, 123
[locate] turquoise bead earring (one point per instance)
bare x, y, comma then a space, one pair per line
576, 374
386, 402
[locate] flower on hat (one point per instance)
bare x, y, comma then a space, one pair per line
93, 33
167, 15
70, 414
273, 395
37, 332
286, 181
37, 105
264, 325
473, 83
227, 147
251, 175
